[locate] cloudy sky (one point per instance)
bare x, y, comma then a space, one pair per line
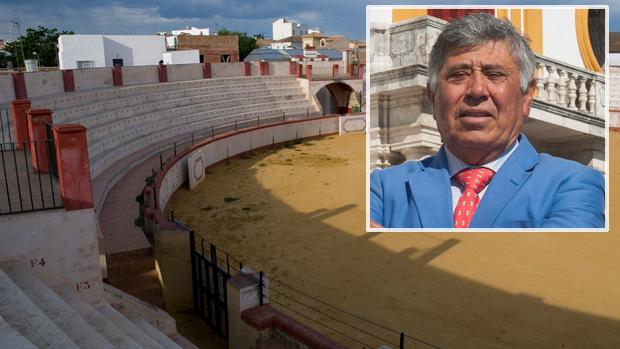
253, 17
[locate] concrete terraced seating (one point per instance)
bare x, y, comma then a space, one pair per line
33, 315
136, 122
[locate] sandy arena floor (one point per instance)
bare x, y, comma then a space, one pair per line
298, 214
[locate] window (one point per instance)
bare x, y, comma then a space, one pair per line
225, 58
117, 62
85, 64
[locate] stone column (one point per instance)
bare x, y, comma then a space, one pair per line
264, 68
335, 72
346, 53
19, 86
299, 70
38, 134
247, 69
20, 121
73, 170
162, 73
292, 68
206, 71
68, 81
117, 76
360, 71
242, 294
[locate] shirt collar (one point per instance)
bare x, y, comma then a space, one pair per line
455, 165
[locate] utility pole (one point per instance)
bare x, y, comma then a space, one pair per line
21, 45
158, 17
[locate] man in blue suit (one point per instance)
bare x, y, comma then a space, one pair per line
486, 174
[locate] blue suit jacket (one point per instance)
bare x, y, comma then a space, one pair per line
530, 190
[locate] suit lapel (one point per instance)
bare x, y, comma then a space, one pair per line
432, 195
505, 184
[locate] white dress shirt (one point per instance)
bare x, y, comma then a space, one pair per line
455, 165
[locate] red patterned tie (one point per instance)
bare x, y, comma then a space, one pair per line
473, 180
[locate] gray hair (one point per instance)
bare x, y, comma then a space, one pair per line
477, 29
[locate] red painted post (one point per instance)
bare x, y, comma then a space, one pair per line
247, 69
19, 85
264, 68
206, 71
73, 170
117, 76
37, 132
335, 72
162, 72
68, 81
20, 121
350, 69
360, 71
292, 68
309, 71
299, 68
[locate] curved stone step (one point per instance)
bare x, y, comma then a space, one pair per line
99, 322
27, 319
63, 315
9, 338
128, 327
154, 333
77, 98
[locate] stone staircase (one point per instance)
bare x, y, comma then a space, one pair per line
34, 315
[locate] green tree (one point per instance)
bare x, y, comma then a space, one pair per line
42, 40
246, 43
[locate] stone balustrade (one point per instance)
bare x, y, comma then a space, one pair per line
570, 87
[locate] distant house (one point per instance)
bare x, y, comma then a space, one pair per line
313, 40
95, 51
280, 55
191, 31
263, 43
212, 48
291, 42
284, 28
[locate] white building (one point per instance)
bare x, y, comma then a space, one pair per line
191, 31
95, 51
283, 28
182, 57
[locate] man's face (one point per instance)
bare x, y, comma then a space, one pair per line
478, 104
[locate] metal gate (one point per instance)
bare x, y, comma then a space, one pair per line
51, 150
209, 286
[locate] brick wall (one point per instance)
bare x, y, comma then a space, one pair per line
212, 47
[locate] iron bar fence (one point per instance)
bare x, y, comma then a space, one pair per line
342, 325
22, 187
184, 142
6, 132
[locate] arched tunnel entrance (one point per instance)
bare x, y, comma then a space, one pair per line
337, 98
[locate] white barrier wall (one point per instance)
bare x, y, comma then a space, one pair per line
184, 72
226, 70
59, 246
7, 92
278, 68
242, 142
44, 83
353, 123
140, 75
88, 79
40, 84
